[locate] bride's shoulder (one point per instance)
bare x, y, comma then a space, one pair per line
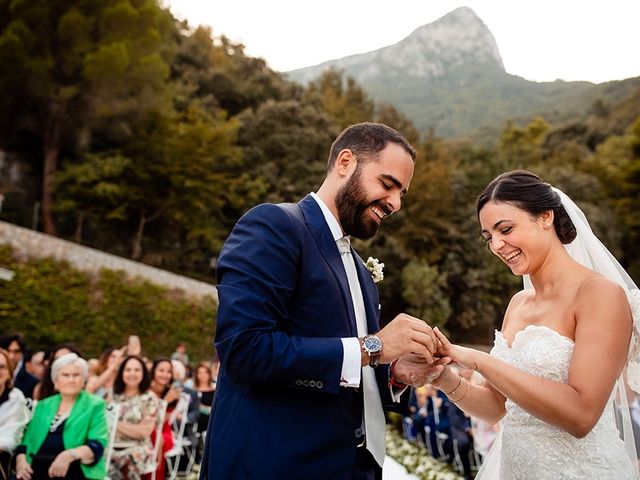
599, 287
516, 302
597, 295
519, 298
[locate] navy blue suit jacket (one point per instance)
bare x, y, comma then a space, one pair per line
279, 410
25, 382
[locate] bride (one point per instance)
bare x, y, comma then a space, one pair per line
554, 375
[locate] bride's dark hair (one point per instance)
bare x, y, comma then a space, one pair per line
528, 192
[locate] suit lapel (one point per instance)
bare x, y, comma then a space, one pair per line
321, 233
326, 244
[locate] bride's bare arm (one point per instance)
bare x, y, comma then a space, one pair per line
603, 331
480, 401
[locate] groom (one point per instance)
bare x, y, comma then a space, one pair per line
302, 354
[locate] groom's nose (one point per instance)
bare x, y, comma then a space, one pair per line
394, 202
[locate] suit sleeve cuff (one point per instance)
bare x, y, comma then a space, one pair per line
351, 367
396, 389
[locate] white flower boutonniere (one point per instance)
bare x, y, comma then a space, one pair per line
375, 269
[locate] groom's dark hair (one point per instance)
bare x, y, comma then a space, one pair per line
528, 192
366, 140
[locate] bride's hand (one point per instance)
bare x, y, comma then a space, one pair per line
465, 357
412, 369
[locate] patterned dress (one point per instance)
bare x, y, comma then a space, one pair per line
133, 457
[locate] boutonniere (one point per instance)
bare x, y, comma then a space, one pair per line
375, 269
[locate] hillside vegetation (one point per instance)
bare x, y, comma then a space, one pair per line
141, 136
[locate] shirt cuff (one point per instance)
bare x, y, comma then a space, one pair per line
351, 363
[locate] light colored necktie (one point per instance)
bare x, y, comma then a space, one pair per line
373, 414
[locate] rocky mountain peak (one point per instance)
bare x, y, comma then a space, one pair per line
432, 51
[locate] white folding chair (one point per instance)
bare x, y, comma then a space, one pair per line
441, 438
157, 445
178, 422
112, 413
191, 447
457, 459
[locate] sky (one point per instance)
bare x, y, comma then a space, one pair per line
540, 40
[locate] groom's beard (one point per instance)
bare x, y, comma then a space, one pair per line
352, 206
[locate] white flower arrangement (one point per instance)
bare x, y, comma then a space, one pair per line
416, 460
375, 269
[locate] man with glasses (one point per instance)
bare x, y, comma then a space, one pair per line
14, 344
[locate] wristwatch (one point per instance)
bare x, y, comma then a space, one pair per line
372, 346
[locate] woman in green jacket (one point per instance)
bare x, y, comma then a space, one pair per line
67, 435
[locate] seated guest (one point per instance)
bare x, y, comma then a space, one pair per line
13, 414
460, 426
179, 377
428, 418
46, 388
67, 434
205, 387
162, 387
22, 380
175, 417
101, 381
35, 366
133, 452
181, 354
485, 433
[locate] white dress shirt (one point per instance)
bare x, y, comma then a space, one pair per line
351, 357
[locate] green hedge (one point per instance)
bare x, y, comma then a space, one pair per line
51, 302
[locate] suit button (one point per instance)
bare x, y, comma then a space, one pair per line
319, 384
298, 383
305, 383
312, 384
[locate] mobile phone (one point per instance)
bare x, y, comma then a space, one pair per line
133, 345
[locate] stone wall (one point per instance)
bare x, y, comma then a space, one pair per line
39, 245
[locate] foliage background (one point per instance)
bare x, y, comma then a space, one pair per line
55, 303
145, 137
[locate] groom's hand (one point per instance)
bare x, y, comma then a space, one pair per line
415, 371
406, 334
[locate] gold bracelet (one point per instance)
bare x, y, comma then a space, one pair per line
459, 381
452, 393
464, 395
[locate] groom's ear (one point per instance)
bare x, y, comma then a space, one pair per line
346, 163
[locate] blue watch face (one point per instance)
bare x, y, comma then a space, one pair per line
372, 344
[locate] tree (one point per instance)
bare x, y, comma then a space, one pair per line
92, 190
70, 68
424, 289
218, 72
519, 147
286, 145
389, 115
344, 100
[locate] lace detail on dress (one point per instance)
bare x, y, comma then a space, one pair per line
633, 360
535, 450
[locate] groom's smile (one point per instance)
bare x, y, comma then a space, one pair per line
374, 191
378, 212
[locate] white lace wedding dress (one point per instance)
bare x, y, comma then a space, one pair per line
534, 450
